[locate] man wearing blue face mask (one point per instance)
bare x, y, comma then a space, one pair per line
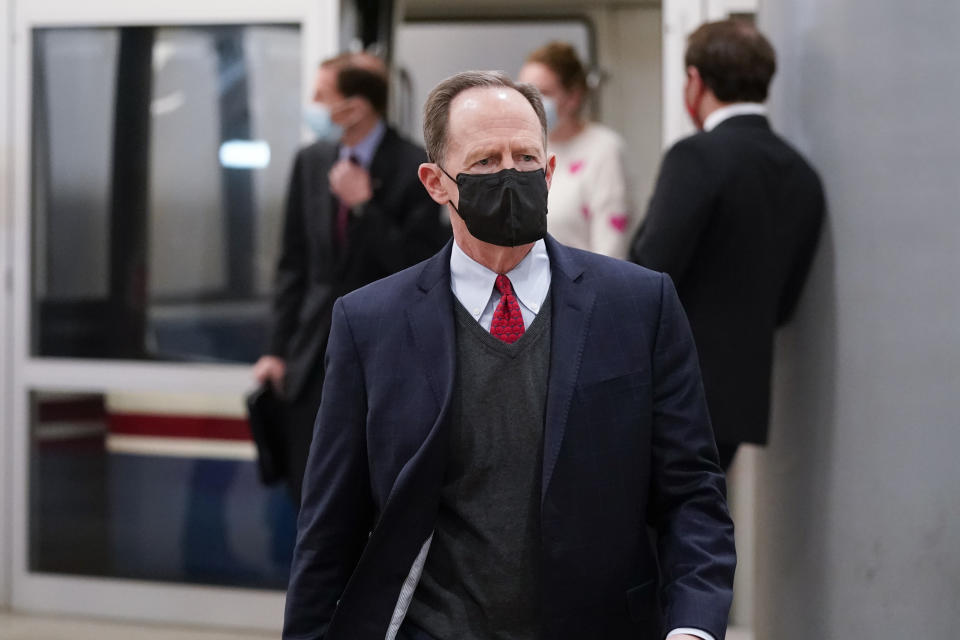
502, 422
355, 213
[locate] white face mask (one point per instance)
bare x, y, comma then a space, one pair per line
318, 118
550, 108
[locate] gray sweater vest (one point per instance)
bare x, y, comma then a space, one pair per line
481, 579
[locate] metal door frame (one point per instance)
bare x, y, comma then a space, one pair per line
104, 597
6, 296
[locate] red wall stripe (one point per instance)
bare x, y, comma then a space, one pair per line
178, 426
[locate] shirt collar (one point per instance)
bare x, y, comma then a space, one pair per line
732, 111
363, 151
472, 282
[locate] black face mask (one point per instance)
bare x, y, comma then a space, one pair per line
507, 208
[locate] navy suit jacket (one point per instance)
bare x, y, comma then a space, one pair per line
627, 442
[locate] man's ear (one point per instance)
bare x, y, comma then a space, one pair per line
432, 179
693, 92
694, 83
551, 166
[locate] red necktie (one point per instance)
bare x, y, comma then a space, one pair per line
507, 322
343, 213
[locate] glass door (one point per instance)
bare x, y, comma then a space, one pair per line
152, 150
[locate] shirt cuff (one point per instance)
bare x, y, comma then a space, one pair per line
693, 632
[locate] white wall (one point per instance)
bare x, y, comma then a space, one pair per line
472, 45
680, 19
629, 47
627, 36
859, 492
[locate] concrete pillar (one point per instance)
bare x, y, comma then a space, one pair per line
858, 521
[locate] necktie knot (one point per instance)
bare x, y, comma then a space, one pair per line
507, 322
502, 284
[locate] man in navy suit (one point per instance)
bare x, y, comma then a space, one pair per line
501, 423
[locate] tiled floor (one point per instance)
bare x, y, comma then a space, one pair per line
18, 627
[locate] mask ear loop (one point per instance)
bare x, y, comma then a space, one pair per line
450, 202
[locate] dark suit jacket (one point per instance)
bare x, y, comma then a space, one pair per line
734, 220
400, 226
627, 442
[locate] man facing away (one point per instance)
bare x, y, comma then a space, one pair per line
734, 220
501, 423
355, 213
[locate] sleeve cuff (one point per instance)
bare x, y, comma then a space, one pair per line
693, 632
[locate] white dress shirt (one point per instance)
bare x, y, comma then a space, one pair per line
472, 284
732, 111
364, 150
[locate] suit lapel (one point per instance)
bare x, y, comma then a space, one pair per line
409, 514
431, 321
572, 306
324, 202
432, 324
383, 160
379, 168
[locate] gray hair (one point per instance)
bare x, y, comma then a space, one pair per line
436, 111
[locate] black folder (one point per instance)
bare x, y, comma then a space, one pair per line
265, 417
